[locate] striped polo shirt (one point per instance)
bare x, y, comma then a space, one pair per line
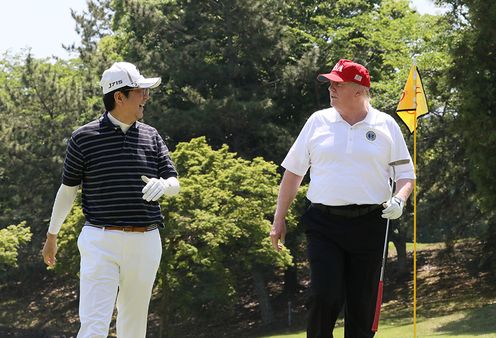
109, 164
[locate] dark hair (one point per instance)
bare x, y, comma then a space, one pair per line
108, 99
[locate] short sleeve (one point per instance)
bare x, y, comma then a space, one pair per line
399, 151
298, 158
73, 164
166, 167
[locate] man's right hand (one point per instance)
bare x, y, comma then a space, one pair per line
278, 232
50, 250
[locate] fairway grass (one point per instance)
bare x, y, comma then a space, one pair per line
478, 323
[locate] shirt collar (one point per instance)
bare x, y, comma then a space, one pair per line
106, 123
371, 114
333, 115
369, 119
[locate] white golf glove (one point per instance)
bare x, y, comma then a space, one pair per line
393, 208
156, 187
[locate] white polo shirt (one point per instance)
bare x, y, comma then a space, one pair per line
349, 164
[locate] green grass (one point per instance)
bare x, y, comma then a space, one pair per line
479, 323
420, 246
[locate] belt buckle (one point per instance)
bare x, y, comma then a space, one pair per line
127, 229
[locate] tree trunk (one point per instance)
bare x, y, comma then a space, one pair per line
263, 297
398, 237
165, 327
488, 259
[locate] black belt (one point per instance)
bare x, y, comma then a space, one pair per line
350, 211
125, 228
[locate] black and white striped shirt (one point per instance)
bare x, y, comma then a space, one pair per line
109, 164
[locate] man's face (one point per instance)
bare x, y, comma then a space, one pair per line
134, 104
342, 94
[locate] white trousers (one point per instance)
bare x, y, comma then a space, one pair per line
116, 265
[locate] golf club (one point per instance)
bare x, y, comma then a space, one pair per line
378, 303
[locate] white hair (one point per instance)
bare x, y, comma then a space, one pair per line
365, 91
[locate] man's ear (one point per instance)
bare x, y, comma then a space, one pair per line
359, 91
118, 97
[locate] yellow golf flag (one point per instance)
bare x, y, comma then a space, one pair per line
413, 102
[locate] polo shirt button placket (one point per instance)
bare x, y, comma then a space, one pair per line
349, 143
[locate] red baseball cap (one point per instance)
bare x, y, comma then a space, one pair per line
347, 71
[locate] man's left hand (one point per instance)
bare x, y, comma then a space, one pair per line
154, 188
393, 208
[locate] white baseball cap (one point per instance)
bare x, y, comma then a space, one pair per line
123, 74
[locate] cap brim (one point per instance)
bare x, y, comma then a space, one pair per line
329, 77
152, 82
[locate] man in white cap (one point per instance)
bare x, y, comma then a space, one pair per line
124, 168
348, 149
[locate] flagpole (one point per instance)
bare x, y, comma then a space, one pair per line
415, 201
413, 104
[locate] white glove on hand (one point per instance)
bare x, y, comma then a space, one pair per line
154, 188
393, 208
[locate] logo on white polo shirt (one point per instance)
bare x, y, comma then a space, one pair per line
370, 135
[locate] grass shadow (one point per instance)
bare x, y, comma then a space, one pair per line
475, 322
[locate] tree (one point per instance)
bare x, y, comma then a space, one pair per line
222, 64
473, 77
11, 239
41, 103
227, 202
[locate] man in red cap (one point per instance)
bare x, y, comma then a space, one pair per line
347, 148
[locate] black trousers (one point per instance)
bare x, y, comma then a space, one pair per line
345, 261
